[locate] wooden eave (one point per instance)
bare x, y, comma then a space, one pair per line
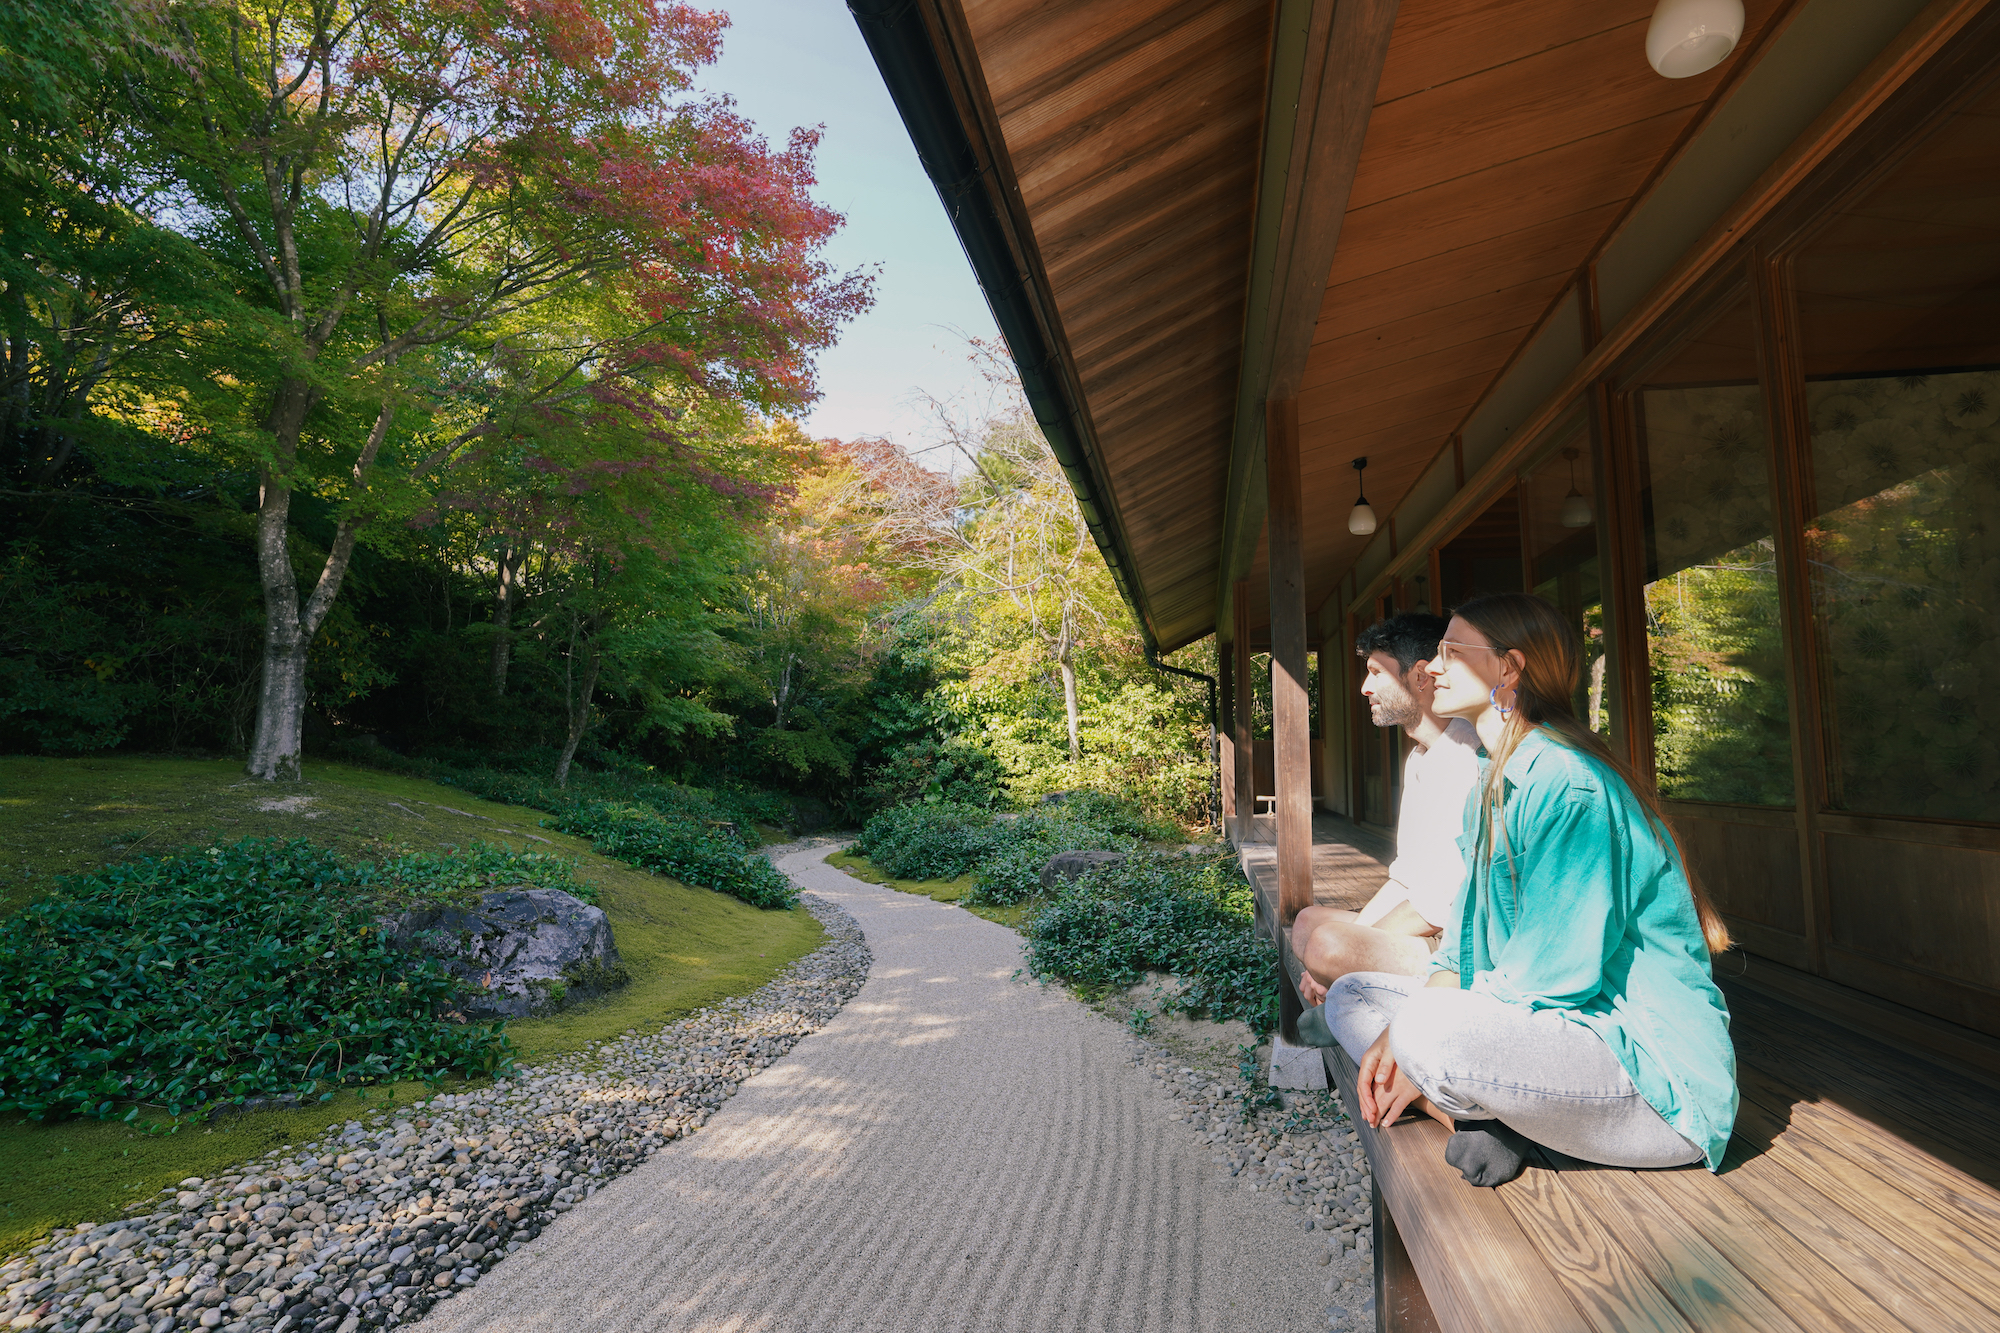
1132, 131
1504, 146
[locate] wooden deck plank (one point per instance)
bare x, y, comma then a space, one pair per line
1768, 1251
1607, 1284
1852, 1157
1480, 1270
1891, 1256
1912, 1099
1703, 1282
1868, 1056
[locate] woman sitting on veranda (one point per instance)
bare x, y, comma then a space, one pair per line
1570, 1004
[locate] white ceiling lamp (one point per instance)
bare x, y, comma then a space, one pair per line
1361, 518
1576, 510
1690, 37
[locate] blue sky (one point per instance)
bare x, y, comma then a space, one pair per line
802, 62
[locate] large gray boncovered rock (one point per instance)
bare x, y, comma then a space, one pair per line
519, 952
1069, 865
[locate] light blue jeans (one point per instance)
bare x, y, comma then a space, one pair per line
1478, 1058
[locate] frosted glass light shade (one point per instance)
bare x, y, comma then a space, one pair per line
1690, 37
1575, 511
1361, 519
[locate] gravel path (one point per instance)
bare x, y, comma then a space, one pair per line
956, 1150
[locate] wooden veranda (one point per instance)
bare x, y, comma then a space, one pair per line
1712, 363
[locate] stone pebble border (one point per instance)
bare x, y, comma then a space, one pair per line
381, 1218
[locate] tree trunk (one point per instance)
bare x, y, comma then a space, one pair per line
579, 707
1069, 710
783, 695
504, 594
289, 627
281, 699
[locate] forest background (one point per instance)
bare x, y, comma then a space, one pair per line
418, 384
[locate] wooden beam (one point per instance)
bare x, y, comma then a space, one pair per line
1781, 358
1291, 710
1326, 63
1246, 742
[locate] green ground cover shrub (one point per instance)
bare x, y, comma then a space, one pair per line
256, 969
1185, 915
935, 840
690, 852
1011, 871
1005, 856
699, 837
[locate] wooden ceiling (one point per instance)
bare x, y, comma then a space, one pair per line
1506, 143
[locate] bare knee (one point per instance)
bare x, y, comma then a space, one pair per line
1332, 951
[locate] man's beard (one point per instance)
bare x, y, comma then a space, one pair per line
1394, 713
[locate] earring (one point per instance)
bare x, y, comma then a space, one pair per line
1493, 697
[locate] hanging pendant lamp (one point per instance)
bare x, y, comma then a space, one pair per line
1361, 518
1689, 37
1576, 510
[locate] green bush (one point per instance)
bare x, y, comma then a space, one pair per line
465, 875
938, 840
1104, 811
696, 836
214, 975
934, 770
1189, 916
691, 853
1011, 871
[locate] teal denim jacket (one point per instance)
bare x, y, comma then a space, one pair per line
1583, 908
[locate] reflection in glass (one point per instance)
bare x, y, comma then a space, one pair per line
1561, 529
1721, 723
1899, 312
1906, 470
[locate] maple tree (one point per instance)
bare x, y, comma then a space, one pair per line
457, 213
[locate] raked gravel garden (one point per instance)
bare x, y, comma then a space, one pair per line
380, 1219
1297, 1148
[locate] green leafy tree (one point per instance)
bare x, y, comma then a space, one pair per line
399, 187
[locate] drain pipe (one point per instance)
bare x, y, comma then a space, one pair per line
1214, 749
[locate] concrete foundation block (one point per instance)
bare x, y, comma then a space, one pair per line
1302, 1068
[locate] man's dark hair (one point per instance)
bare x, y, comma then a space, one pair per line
1410, 637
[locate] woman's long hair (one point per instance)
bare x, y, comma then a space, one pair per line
1554, 663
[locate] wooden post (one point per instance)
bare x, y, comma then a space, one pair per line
1225, 670
1291, 709
1245, 776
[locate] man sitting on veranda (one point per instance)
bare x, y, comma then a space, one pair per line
1399, 927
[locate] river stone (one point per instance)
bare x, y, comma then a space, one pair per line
521, 951
1069, 865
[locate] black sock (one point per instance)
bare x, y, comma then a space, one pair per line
1486, 1152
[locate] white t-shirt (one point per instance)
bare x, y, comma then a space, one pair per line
1436, 782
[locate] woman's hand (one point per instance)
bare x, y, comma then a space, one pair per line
1386, 1091
1310, 991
